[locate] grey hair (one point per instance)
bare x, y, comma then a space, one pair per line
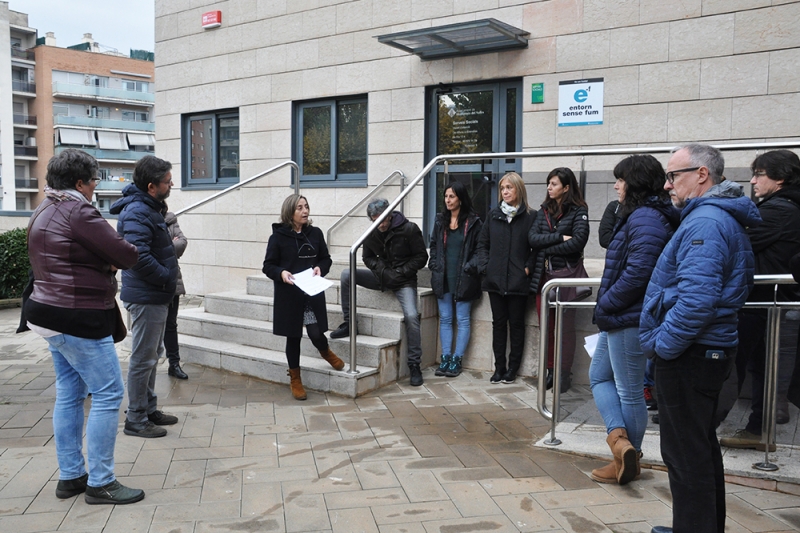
703, 155
376, 207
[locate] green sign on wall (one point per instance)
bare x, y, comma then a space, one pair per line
537, 93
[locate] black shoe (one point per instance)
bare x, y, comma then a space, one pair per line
497, 377
67, 488
509, 377
416, 375
342, 331
549, 379
160, 418
566, 381
114, 493
661, 529
177, 372
654, 418
145, 429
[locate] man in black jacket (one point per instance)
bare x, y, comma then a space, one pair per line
776, 182
393, 255
147, 289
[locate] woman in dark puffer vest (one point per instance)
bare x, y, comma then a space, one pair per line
505, 259
454, 280
646, 220
558, 238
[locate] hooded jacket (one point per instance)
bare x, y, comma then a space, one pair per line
295, 252
154, 277
635, 246
395, 256
504, 254
702, 277
468, 283
775, 241
546, 240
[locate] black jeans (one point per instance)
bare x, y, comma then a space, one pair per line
508, 321
171, 332
688, 391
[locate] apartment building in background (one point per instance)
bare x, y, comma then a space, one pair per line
84, 96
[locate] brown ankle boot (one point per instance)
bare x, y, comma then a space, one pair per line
625, 455
331, 357
606, 474
296, 384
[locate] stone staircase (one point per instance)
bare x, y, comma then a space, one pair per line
233, 331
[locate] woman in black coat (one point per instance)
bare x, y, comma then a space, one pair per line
453, 243
296, 246
505, 259
558, 238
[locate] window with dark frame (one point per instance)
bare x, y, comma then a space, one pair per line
211, 148
330, 141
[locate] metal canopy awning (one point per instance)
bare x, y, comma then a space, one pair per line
462, 39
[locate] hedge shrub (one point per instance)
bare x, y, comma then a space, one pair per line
14, 263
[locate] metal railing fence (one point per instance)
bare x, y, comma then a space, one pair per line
772, 345
446, 158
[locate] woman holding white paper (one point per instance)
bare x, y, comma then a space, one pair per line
296, 246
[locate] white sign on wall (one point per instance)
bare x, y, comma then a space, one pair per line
580, 102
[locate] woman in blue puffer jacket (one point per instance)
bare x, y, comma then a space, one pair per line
646, 220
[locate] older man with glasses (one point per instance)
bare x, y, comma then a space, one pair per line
688, 325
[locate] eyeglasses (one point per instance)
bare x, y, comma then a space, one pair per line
671, 175
759, 174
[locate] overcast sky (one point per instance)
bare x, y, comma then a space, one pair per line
120, 24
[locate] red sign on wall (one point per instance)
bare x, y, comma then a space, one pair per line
212, 19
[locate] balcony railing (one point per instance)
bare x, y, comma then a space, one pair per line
91, 91
100, 154
25, 183
23, 86
111, 185
27, 120
92, 122
19, 53
28, 151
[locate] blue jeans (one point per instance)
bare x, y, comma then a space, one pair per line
83, 366
148, 322
406, 296
616, 374
463, 310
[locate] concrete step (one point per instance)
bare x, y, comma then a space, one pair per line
367, 299
372, 322
271, 366
370, 351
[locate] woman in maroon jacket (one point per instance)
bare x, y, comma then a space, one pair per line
74, 255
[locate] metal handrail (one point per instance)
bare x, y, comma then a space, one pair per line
232, 188
364, 199
772, 344
507, 155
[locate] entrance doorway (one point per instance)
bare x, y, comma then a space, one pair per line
471, 119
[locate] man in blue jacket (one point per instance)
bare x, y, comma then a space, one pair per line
688, 325
147, 289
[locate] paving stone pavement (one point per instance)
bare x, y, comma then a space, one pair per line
454, 456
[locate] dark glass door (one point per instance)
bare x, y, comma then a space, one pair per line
471, 120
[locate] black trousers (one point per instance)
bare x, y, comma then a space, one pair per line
688, 391
318, 339
171, 332
508, 321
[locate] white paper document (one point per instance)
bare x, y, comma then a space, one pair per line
590, 343
309, 283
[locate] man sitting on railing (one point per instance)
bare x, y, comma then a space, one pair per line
688, 325
776, 181
393, 255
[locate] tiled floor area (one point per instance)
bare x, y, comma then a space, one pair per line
453, 456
